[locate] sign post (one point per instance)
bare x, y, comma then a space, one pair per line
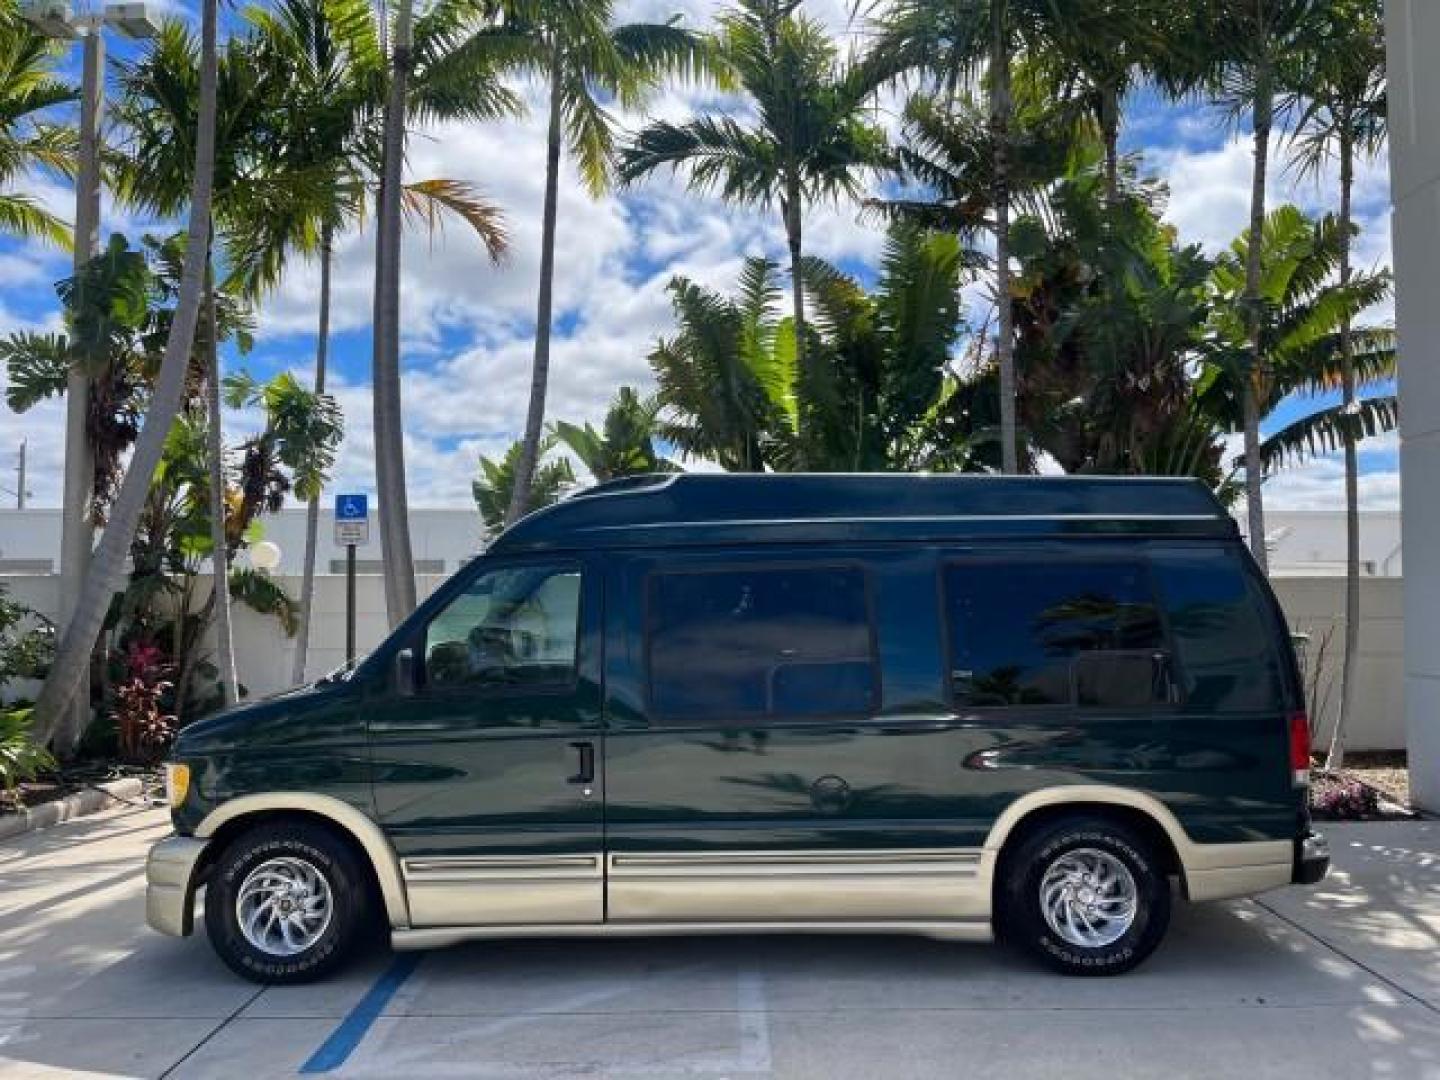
352, 528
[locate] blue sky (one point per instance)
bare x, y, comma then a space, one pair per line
467, 327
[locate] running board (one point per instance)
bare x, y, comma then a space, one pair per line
435, 937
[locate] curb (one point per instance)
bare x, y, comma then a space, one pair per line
88, 800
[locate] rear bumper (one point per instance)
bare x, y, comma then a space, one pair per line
170, 884
1312, 859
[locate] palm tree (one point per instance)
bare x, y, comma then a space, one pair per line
952, 44
625, 443
1344, 117
1100, 50
1110, 315
810, 141
399, 562
724, 376
1246, 54
107, 567
882, 393
584, 59
948, 149
27, 90
442, 65
494, 488
151, 165
892, 395
328, 56
1305, 315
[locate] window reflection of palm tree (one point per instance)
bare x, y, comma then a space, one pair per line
1095, 621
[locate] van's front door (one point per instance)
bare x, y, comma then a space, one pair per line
488, 765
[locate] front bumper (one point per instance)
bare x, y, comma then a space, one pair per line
170, 884
1312, 859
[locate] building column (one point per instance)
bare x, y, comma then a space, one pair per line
1412, 42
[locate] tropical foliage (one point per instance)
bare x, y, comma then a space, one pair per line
119, 310
29, 138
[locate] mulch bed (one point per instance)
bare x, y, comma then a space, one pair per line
1372, 786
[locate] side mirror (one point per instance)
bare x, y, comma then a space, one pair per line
405, 681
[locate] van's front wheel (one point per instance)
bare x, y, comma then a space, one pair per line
1086, 895
285, 903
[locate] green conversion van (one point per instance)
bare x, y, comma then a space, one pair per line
949, 705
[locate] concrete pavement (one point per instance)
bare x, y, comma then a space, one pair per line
1341, 980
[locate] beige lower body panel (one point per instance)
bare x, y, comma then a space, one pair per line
505, 890
944, 930
170, 884
939, 892
789, 886
1223, 871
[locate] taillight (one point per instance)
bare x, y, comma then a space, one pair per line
1300, 748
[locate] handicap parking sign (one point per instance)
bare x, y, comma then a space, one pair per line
352, 507
352, 520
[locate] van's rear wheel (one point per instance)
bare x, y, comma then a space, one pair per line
285, 903
1086, 895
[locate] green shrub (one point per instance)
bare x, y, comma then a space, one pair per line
27, 642
20, 758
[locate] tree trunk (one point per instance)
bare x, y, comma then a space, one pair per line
77, 531
1110, 130
544, 313
219, 542
1255, 376
794, 239
389, 425
1000, 132
107, 568
312, 511
1335, 757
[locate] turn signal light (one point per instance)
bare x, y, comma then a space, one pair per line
177, 782
1300, 749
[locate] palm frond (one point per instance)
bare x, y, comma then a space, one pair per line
427, 202
1325, 431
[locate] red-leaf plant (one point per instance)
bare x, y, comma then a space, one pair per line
145, 731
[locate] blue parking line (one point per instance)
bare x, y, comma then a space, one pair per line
336, 1050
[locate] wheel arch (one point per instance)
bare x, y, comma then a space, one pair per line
1148, 813
234, 816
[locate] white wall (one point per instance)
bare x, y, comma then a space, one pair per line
1412, 36
1316, 606
447, 536
1313, 605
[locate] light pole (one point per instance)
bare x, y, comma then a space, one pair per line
58, 19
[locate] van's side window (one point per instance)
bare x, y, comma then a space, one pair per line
765, 642
1228, 651
513, 627
1054, 632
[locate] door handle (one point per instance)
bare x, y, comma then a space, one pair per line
586, 775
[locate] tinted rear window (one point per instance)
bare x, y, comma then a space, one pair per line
1018, 626
765, 642
1225, 639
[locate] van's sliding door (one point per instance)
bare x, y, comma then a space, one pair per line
759, 765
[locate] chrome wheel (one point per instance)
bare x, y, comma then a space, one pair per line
284, 906
1088, 897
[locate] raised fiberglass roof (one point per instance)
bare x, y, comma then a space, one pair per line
699, 508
